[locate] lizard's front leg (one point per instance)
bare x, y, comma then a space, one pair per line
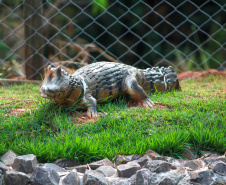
137, 92
91, 104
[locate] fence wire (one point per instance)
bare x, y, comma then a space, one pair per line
188, 35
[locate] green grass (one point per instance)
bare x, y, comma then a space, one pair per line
195, 116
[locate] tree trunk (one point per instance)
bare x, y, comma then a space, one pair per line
34, 42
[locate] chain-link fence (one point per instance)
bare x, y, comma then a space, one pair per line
188, 35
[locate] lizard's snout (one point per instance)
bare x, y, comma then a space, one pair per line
44, 92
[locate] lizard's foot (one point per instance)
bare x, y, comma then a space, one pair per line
92, 114
147, 103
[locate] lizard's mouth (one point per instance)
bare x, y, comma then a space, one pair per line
45, 95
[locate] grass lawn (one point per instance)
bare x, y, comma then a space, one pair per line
195, 116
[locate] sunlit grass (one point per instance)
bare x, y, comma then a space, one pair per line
195, 116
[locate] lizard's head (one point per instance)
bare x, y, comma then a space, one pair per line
55, 84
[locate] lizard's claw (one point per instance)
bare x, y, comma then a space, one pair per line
147, 103
92, 114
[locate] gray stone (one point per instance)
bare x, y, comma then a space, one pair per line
127, 170
209, 154
133, 157
194, 164
45, 176
210, 160
80, 168
133, 179
66, 163
175, 175
170, 160
119, 181
121, 159
15, 178
143, 160
166, 181
1, 177
189, 153
185, 180
70, 179
202, 177
52, 166
143, 177
218, 167
156, 178
8, 157
151, 154
80, 180
3, 167
94, 178
107, 171
158, 166
220, 180
97, 164
25, 163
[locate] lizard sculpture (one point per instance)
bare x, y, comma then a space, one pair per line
103, 81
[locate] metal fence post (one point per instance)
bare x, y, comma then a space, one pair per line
34, 61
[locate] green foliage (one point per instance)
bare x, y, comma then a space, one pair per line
99, 6
194, 116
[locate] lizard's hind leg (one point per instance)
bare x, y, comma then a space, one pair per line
137, 92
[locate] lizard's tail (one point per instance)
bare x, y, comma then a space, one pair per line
160, 79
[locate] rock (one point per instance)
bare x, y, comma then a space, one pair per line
121, 159
127, 170
8, 157
220, 180
52, 166
107, 171
151, 154
80, 168
134, 157
189, 153
143, 160
80, 180
118, 181
1, 177
15, 178
202, 177
210, 160
43, 176
94, 178
185, 180
25, 163
70, 179
133, 179
218, 167
158, 166
66, 163
3, 167
175, 175
156, 178
166, 181
209, 154
194, 164
170, 160
97, 164
143, 177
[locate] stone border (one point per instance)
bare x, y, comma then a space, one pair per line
149, 169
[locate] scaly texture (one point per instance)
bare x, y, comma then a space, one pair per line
103, 81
